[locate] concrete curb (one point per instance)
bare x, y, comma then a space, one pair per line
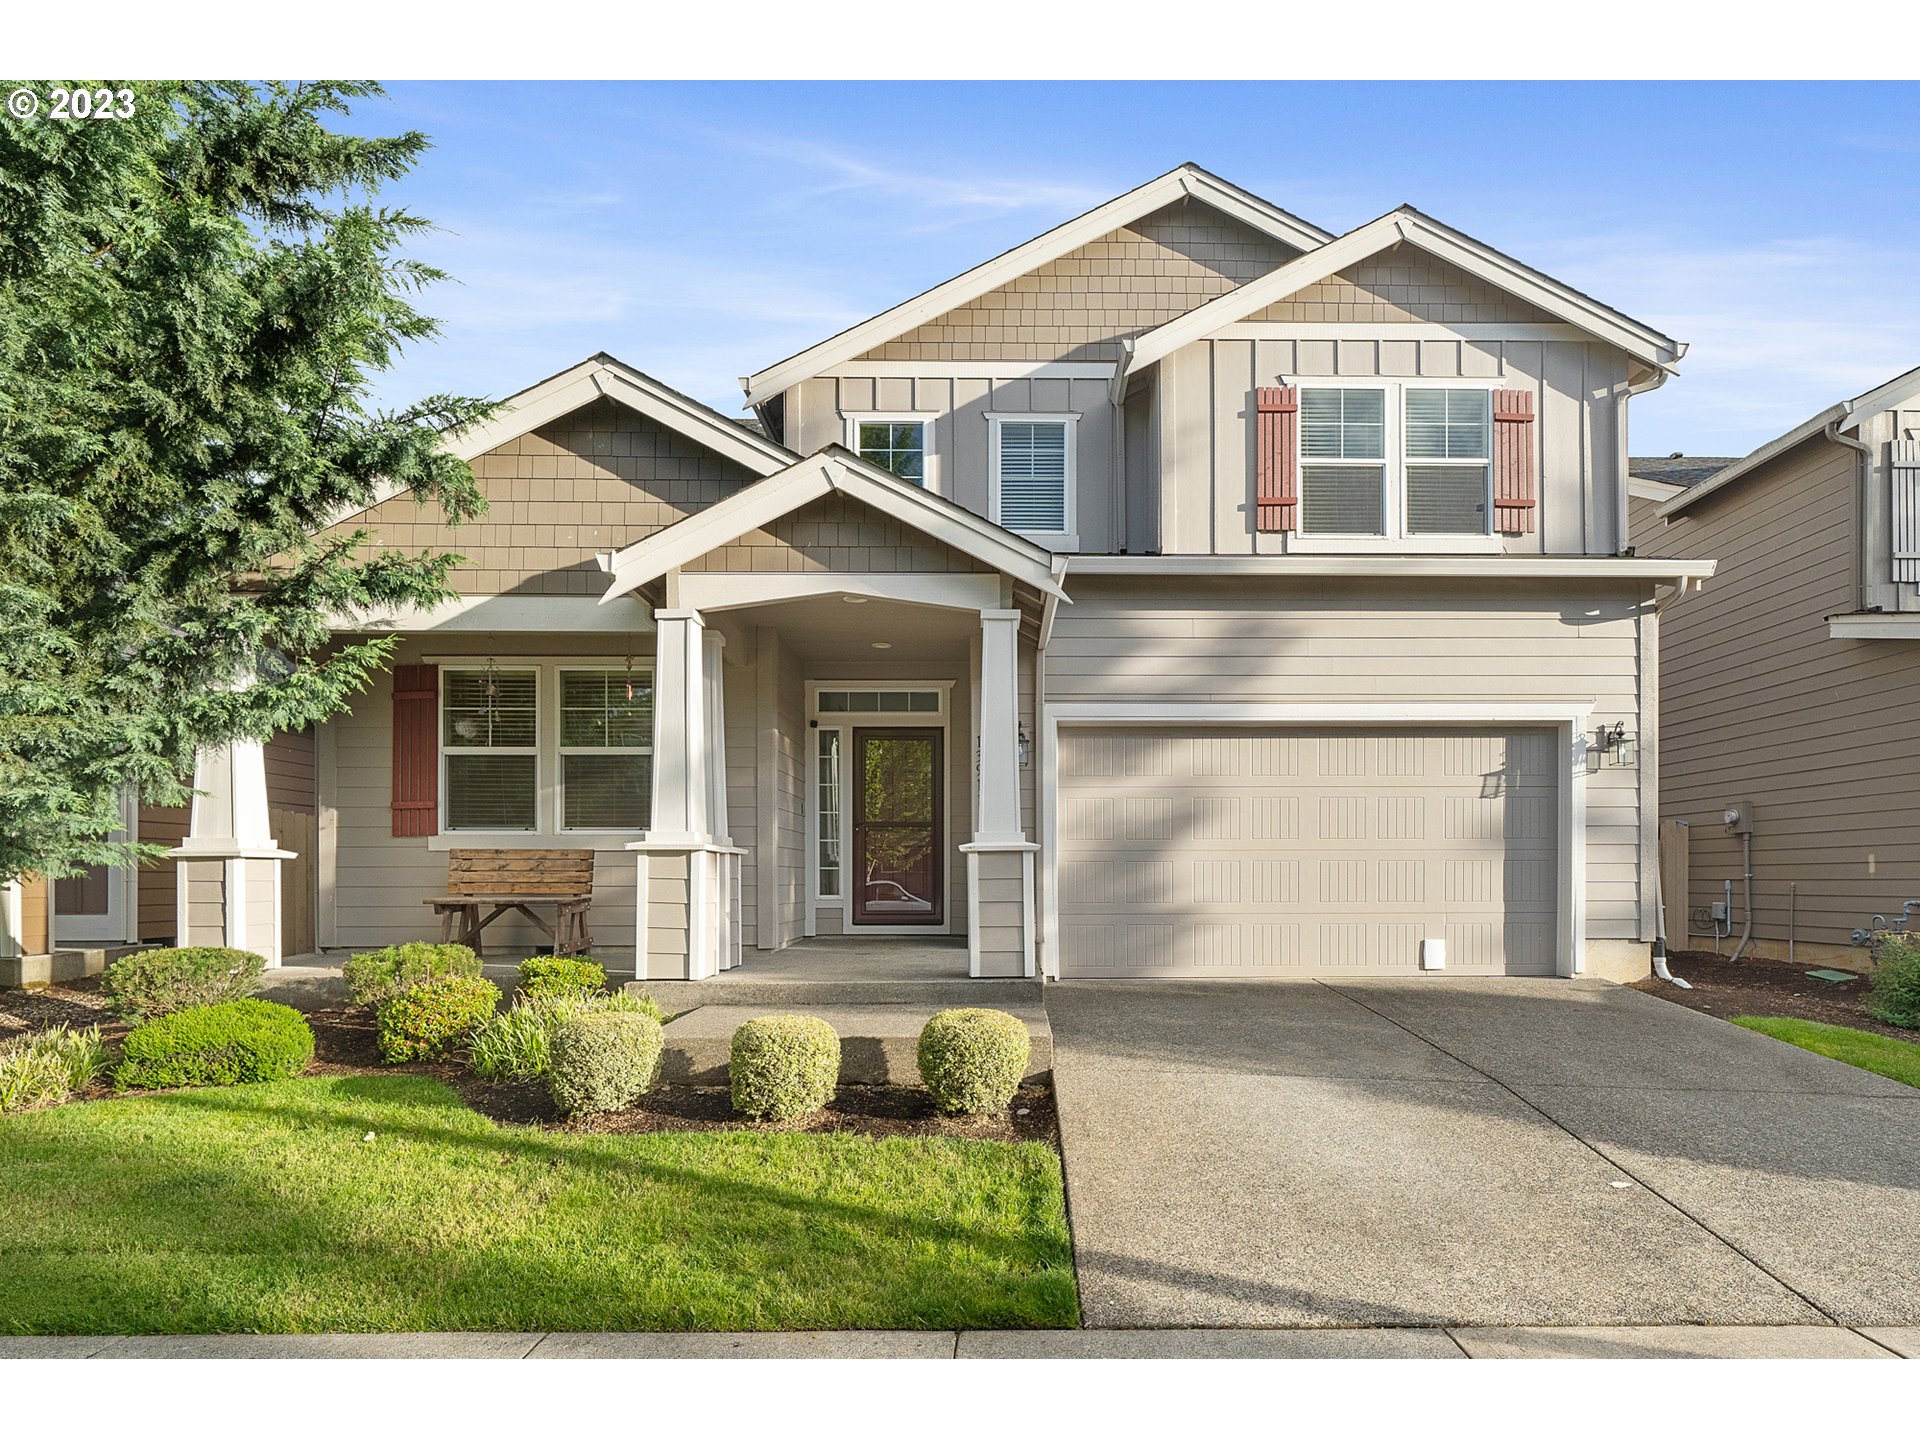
1693, 1342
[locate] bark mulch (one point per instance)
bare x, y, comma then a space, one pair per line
1768, 987
344, 1044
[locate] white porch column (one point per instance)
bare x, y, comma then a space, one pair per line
686, 919
1000, 858
228, 873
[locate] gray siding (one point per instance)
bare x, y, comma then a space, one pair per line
1205, 456
1759, 704
1377, 644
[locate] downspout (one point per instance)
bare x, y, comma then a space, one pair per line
1659, 897
1746, 927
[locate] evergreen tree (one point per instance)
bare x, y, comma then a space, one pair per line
193, 303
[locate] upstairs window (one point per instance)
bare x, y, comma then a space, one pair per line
897, 445
1032, 475
1390, 461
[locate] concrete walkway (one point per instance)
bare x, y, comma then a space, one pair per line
1466, 1153
1809, 1342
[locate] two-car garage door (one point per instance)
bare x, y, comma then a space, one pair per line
1291, 852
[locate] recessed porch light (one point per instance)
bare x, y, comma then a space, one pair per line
854, 599
883, 645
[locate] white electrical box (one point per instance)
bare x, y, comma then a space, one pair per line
1720, 911
1433, 954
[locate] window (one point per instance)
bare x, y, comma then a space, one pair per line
829, 781
606, 749
1033, 474
490, 736
1449, 436
1343, 452
1395, 461
879, 702
896, 445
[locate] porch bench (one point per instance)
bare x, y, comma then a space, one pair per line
517, 880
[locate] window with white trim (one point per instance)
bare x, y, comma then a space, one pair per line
829, 805
1032, 474
606, 749
896, 445
1393, 461
490, 747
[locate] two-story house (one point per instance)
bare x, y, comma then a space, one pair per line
1185, 592
1788, 690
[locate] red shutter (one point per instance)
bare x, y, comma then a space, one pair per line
1277, 469
1513, 487
416, 750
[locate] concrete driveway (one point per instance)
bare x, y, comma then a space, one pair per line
1472, 1152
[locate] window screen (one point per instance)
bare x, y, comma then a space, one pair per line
1343, 500
1033, 475
1448, 440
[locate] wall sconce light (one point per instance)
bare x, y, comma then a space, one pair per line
1026, 748
1616, 747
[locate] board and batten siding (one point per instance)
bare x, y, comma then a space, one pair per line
1205, 451
1303, 642
956, 406
372, 882
1760, 704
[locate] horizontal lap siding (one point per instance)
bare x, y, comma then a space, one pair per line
1119, 643
1759, 704
380, 879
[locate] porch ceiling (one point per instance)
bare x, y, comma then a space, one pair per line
828, 628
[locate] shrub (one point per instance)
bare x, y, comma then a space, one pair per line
973, 1060
377, 976
150, 983
627, 1003
45, 1068
1895, 997
547, 975
233, 1043
426, 1020
783, 1066
602, 1060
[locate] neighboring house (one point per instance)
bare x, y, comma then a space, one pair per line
1187, 591
1788, 689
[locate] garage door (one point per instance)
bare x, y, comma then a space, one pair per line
1229, 852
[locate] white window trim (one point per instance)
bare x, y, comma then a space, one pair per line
929, 458
847, 723
1067, 538
548, 833
1396, 539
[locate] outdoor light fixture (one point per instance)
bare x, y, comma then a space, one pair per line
883, 645
1613, 740
1026, 748
854, 599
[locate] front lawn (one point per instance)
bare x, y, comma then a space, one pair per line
1896, 1059
383, 1203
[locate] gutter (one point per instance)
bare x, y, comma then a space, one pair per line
1437, 567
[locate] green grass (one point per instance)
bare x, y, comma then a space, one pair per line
264, 1208
1882, 1054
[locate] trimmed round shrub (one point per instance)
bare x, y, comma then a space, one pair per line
236, 1042
150, 983
426, 1021
1895, 997
545, 976
603, 1060
783, 1066
515, 1044
377, 976
973, 1060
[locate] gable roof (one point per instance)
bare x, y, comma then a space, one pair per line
1178, 183
833, 469
1405, 225
599, 376
1847, 415
1679, 471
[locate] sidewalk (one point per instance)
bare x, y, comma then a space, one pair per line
1727, 1342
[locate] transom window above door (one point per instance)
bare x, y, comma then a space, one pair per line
1395, 460
879, 702
894, 443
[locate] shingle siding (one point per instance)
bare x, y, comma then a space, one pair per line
1403, 286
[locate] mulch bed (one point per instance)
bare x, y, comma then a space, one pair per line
1768, 987
344, 1044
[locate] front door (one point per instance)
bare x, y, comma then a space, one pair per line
898, 876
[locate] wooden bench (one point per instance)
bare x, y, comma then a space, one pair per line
517, 880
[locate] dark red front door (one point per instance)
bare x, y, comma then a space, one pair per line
897, 871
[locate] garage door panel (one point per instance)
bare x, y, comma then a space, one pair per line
1248, 852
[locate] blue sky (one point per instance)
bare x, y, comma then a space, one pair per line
701, 231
